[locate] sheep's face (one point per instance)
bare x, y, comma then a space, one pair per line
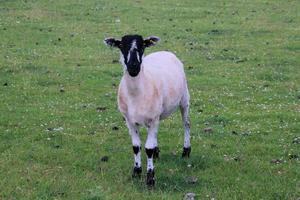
132, 49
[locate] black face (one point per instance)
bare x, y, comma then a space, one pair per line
132, 48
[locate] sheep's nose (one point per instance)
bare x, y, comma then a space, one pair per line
134, 65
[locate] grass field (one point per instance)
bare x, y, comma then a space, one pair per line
58, 110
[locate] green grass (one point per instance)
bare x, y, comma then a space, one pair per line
242, 60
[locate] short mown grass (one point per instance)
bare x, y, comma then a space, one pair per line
58, 110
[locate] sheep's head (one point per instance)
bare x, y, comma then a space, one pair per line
132, 49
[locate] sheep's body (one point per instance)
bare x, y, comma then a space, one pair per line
156, 92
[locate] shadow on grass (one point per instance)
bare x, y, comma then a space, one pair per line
173, 174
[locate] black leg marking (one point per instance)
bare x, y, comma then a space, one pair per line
149, 152
136, 149
156, 153
187, 124
186, 152
150, 178
137, 171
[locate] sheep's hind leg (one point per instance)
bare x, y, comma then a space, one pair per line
184, 108
136, 145
156, 153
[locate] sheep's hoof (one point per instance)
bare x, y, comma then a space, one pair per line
150, 178
186, 152
136, 173
156, 153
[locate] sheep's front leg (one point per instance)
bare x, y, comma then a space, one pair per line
136, 145
151, 149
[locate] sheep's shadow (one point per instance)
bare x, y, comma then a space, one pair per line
174, 173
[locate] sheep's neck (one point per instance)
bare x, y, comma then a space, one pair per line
135, 85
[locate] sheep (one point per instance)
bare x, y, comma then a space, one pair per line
151, 89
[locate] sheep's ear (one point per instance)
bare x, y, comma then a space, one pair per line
112, 42
151, 41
